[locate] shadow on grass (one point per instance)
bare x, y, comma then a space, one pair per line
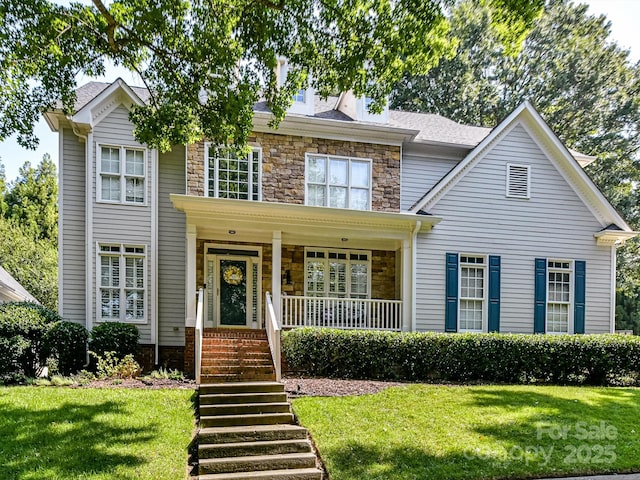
72, 440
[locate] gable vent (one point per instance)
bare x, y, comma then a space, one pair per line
518, 181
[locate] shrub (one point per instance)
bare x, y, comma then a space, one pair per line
511, 358
110, 366
67, 343
117, 337
22, 330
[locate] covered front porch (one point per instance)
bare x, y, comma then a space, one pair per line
322, 267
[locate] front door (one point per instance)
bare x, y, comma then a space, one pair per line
230, 291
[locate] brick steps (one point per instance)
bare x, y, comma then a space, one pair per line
247, 432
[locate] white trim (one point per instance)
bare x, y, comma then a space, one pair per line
255, 148
414, 269
60, 224
119, 90
507, 185
89, 255
571, 305
146, 154
190, 274
347, 261
122, 255
612, 294
154, 176
485, 289
328, 184
276, 269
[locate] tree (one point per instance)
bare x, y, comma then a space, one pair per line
33, 263
3, 190
205, 62
32, 200
580, 81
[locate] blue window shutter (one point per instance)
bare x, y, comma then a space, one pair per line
540, 311
451, 308
579, 296
494, 293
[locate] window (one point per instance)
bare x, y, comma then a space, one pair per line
121, 287
518, 185
338, 182
230, 176
472, 293
337, 273
122, 174
559, 273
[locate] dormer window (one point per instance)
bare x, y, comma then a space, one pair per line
362, 111
303, 99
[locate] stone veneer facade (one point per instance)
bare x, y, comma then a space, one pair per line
283, 164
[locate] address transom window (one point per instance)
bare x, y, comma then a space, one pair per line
472, 293
122, 283
233, 176
339, 182
559, 275
337, 273
122, 174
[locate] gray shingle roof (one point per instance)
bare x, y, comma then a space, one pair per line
432, 128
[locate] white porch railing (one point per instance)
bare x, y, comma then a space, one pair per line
273, 328
347, 313
199, 332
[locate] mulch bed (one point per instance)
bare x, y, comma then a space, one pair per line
331, 387
149, 383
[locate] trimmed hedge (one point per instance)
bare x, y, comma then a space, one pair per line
67, 343
510, 358
118, 337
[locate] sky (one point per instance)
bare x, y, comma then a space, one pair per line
623, 15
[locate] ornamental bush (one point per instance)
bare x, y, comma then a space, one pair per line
23, 326
117, 337
67, 343
509, 358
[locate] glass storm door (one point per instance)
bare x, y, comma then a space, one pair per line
233, 296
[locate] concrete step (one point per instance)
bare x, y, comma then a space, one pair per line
248, 419
245, 408
242, 387
273, 447
235, 398
288, 474
251, 433
256, 463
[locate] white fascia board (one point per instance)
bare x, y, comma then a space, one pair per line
613, 238
304, 126
105, 102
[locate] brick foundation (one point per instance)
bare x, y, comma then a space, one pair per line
189, 362
145, 356
171, 357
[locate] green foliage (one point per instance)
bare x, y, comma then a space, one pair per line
227, 49
23, 327
117, 337
590, 359
67, 343
33, 263
166, 374
110, 365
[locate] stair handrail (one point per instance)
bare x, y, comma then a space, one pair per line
199, 333
273, 334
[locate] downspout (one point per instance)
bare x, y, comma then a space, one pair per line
414, 258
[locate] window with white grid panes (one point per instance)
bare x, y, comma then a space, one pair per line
233, 176
337, 273
338, 182
122, 173
121, 288
472, 293
559, 273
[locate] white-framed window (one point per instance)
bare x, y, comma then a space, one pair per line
122, 283
518, 181
472, 294
337, 273
559, 295
339, 182
303, 98
121, 174
229, 176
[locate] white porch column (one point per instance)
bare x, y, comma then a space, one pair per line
190, 274
276, 269
407, 275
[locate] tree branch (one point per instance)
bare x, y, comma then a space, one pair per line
111, 25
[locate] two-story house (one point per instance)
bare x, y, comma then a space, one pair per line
395, 221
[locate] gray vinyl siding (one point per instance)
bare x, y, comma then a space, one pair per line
419, 175
72, 250
479, 219
118, 223
171, 250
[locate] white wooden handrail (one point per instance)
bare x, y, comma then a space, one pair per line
273, 334
199, 332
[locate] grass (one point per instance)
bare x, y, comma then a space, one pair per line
94, 434
475, 432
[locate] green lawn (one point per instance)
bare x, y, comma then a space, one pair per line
90, 434
473, 432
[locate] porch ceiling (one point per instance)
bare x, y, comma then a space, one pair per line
298, 224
